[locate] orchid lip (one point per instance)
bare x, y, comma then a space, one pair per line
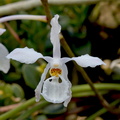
55, 91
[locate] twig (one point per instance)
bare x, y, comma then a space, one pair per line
24, 106
102, 111
47, 10
15, 35
9, 107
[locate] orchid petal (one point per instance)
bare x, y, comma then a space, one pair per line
4, 62
65, 76
55, 29
39, 86
48, 58
54, 36
65, 59
55, 91
25, 55
2, 31
87, 60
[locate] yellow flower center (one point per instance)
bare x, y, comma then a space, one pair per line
55, 72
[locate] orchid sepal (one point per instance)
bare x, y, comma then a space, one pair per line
25, 55
88, 61
38, 89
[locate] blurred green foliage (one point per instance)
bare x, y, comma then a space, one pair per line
30, 75
10, 93
35, 34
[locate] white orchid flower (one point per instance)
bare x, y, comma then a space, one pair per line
2, 31
57, 88
4, 62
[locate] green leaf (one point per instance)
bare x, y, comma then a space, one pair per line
8, 90
31, 75
17, 90
13, 76
5, 90
54, 109
41, 117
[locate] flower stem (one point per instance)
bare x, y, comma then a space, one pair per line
23, 17
98, 86
66, 46
88, 93
12, 112
102, 111
15, 35
47, 10
36, 107
85, 90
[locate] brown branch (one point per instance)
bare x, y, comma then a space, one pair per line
14, 34
9, 107
47, 10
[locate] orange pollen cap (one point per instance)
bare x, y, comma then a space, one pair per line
55, 72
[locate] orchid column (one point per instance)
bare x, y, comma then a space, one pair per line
51, 88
